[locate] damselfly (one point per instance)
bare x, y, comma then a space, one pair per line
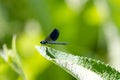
52, 38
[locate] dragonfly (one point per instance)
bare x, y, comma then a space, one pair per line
51, 39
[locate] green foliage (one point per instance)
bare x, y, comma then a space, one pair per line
82, 68
10, 57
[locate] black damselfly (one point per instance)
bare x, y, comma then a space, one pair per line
52, 38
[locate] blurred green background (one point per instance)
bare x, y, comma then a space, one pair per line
80, 22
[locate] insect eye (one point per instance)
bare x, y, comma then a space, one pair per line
43, 42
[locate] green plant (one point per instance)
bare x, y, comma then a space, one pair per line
82, 68
10, 56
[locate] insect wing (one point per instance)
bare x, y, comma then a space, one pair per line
53, 36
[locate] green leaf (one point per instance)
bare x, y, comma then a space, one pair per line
11, 58
82, 68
